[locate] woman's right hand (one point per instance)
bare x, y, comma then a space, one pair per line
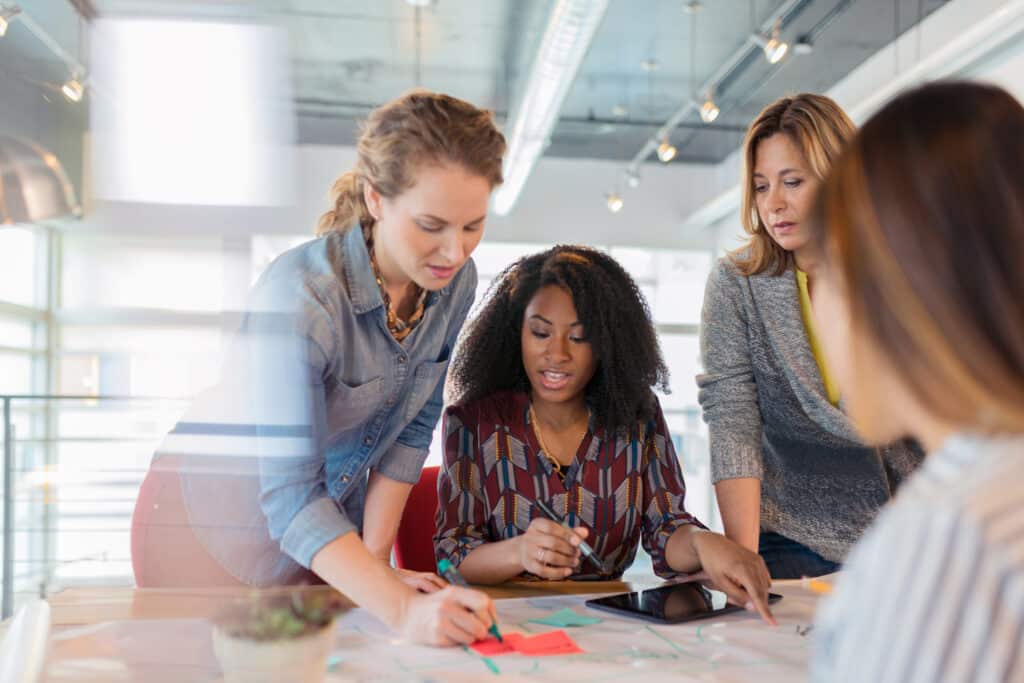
550, 550
450, 616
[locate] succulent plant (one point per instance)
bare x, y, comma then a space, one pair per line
276, 615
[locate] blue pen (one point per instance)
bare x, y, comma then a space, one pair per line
446, 569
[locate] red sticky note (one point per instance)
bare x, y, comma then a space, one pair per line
489, 647
541, 645
550, 643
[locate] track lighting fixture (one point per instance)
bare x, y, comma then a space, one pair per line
774, 47
7, 13
666, 152
709, 111
73, 89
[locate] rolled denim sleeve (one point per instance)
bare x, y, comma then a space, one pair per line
404, 460
403, 463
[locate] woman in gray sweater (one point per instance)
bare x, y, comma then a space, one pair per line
793, 480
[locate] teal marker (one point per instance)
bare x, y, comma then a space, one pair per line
446, 569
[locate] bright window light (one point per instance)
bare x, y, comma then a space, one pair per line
191, 113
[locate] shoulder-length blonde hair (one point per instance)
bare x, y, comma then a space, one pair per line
420, 127
820, 130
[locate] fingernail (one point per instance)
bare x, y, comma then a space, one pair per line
749, 606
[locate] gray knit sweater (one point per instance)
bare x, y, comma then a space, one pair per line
769, 418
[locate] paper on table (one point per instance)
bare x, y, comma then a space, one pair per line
566, 617
543, 644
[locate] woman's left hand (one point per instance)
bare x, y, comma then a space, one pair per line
424, 582
738, 572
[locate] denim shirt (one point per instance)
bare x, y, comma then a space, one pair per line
322, 393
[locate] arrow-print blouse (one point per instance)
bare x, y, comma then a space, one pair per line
623, 490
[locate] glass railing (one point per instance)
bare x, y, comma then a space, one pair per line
72, 468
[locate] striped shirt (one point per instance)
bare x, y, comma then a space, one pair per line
935, 591
622, 490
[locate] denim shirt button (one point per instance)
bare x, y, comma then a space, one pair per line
390, 402
401, 360
345, 478
368, 440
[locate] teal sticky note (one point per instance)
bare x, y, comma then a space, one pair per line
566, 617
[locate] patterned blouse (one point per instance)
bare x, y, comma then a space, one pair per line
621, 490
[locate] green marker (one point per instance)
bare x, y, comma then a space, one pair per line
446, 569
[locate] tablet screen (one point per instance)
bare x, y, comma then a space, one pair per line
671, 604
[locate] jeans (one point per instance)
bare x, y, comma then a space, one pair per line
787, 559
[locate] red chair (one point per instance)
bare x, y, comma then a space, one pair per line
414, 544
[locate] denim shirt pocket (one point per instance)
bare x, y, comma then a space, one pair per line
425, 380
349, 407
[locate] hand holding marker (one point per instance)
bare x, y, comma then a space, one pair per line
447, 570
584, 547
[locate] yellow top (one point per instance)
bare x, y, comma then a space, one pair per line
831, 390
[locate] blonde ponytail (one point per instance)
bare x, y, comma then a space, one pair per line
347, 206
420, 127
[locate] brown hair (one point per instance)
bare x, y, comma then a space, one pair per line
922, 220
420, 127
819, 129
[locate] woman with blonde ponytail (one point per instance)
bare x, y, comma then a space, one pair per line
335, 385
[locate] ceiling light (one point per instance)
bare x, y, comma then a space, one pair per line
649, 65
709, 111
569, 34
775, 50
666, 152
803, 45
6, 14
420, 3
632, 179
614, 202
73, 89
693, 6
620, 111
35, 187
774, 47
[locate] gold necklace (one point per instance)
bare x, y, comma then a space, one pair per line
535, 424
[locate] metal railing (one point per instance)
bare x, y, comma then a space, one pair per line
57, 431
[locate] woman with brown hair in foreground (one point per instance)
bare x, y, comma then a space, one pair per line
922, 227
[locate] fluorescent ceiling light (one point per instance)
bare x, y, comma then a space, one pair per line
568, 36
614, 201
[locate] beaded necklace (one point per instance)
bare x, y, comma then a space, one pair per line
399, 329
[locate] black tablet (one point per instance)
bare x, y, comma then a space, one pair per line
672, 604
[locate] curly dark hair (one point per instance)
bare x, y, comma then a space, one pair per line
614, 314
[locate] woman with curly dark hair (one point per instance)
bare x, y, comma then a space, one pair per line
555, 408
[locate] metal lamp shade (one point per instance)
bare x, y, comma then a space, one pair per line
33, 185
